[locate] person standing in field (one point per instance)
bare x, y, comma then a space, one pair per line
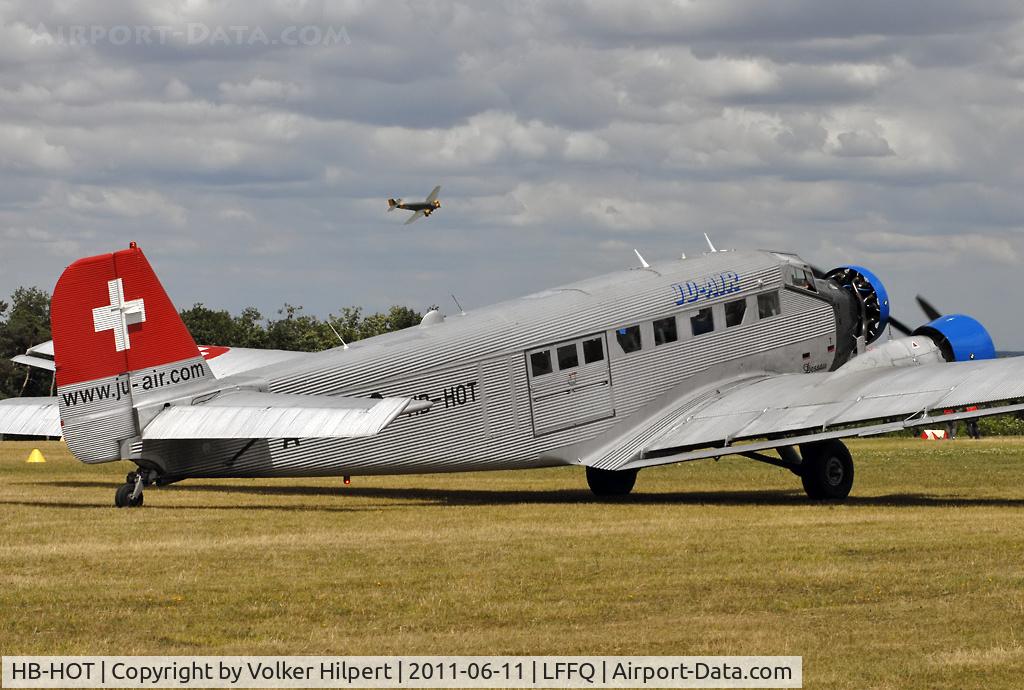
972, 424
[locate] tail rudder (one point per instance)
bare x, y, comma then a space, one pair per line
118, 343
393, 204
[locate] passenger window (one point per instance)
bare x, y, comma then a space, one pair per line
768, 305
665, 331
567, 357
734, 312
592, 350
629, 338
541, 362
702, 322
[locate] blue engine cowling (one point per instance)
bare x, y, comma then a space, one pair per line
870, 294
959, 337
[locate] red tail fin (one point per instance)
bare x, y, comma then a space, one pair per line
118, 341
110, 316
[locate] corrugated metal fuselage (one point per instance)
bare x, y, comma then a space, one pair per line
492, 409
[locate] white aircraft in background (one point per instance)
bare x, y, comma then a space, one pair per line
420, 208
728, 353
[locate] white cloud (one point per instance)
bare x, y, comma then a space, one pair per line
862, 144
844, 131
259, 89
23, 148
236, 214
585, 146
127, 203
177, 90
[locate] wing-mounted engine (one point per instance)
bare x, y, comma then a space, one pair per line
960, 338
861, 305
870, 297
951, 338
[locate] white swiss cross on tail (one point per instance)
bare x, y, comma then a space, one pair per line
118, 315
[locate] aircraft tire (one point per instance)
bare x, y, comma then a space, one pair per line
610, 482
123, 497
827, 470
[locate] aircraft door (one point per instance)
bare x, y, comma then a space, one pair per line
570, 384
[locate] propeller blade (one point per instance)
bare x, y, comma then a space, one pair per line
899, 325
931, 312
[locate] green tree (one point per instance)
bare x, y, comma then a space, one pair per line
219, 327
209, 326
249, 330
23, 323
298, 331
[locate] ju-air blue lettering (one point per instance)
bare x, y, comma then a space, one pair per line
715, 286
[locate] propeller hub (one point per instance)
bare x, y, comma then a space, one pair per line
870, 293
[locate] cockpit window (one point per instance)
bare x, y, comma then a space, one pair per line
802, 278
629, 338
540, 362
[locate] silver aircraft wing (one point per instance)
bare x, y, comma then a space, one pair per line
432, 197
30, 417
251, 414
769, 411
414, 217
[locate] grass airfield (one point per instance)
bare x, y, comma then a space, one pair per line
916, 581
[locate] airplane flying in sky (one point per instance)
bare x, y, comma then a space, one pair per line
421, 208
732, 352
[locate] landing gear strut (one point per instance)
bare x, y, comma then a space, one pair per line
129, 494
610, 482
826, 470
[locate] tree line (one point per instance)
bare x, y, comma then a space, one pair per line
25, 321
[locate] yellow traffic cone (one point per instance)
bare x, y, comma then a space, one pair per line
35, 456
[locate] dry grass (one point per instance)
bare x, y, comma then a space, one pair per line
916, 581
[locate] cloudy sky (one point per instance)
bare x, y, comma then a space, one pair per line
249, 148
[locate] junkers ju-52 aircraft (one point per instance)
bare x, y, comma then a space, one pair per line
729, 353
420, 208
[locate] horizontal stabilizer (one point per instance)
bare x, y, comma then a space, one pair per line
42, 349
37, 362
30, 417
249, 414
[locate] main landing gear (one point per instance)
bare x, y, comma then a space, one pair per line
825, 468
129, 494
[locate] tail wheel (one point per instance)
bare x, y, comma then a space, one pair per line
123, 497
826, 470
610, 482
